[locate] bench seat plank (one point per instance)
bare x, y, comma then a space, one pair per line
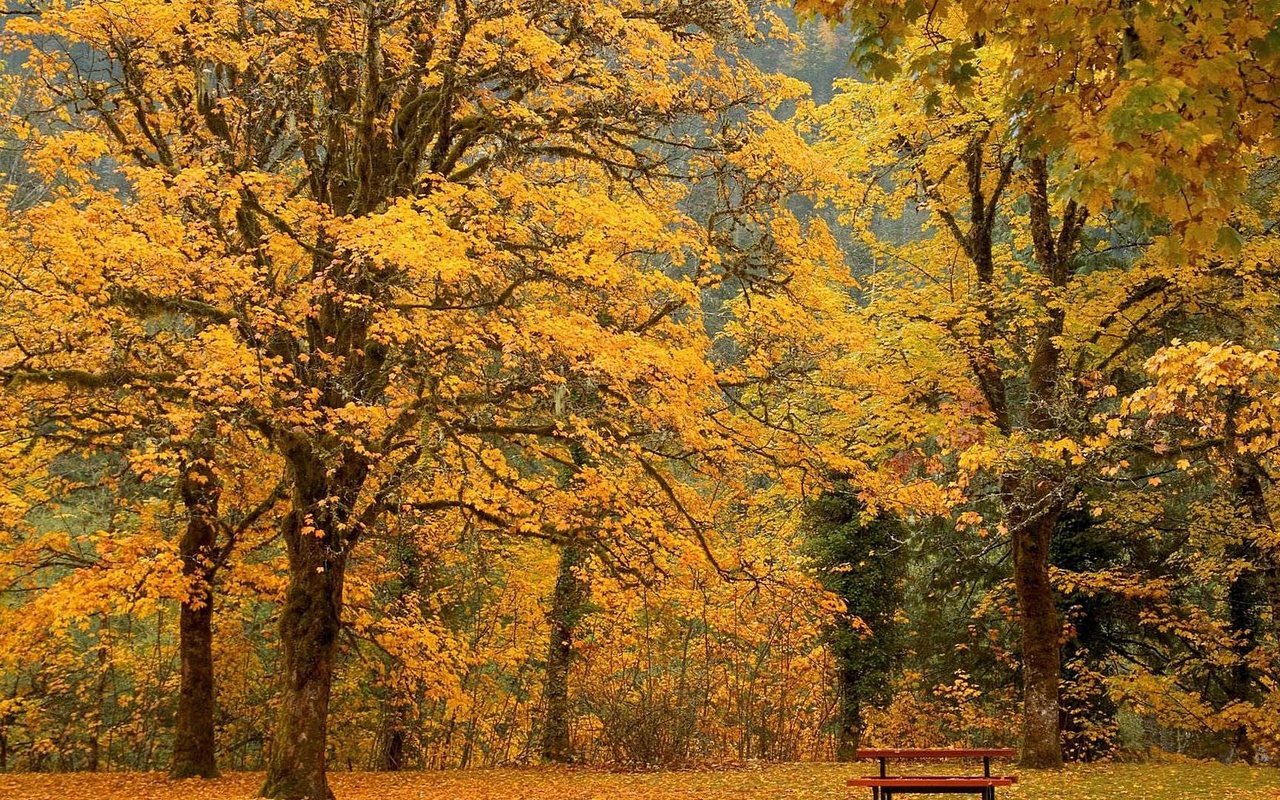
922, 781
936, 752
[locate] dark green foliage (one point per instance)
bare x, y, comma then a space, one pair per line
1089, 726
862, 561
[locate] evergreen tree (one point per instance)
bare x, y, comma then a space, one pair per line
860, 560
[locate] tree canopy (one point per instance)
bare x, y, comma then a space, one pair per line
414, 383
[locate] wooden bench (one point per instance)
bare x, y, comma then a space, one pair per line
885, 786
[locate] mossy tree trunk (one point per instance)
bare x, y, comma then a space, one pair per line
568, 605
194, 754
317, 538
1251, 585
849, 713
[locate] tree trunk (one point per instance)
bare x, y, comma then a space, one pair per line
391, 752
1273, 596
849, 719
1036, 511
392, 747
1041, 655
1244, 595
193, 743
1250, 588
1249, 488
193, 746
314, 534
95, 730
566, 611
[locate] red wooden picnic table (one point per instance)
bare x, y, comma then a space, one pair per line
885, 786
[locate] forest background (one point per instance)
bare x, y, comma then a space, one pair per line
406, 384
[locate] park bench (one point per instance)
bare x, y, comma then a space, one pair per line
884, 786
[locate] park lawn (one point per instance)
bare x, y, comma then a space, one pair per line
1164, 781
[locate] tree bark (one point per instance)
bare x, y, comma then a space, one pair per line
391, 751
1273, 596
566, 611
95, 731
194, 754
316, 541
1244, 595
308, 635
1251, 492
1036, 510
849, 715
1041, 653
1249, 589
322, 525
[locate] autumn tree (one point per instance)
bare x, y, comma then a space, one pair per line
402, 226
77, 402
1224, 395
1160, 107
568, 605
1156, 108
113, 391
1048, 294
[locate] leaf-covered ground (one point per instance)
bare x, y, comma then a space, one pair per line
781, 782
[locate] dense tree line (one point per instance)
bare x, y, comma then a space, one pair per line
421, 383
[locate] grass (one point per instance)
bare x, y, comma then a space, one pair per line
1164, 781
